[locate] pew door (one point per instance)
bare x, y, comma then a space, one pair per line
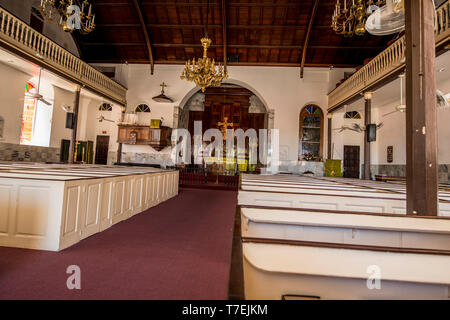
351, 161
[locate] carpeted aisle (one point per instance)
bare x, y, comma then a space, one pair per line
180, 249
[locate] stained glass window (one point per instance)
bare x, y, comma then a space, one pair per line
29, 111
352, 115
311, 133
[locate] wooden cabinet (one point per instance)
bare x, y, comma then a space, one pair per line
158, 138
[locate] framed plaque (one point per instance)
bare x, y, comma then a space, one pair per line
390, 154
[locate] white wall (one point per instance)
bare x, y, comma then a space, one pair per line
393, 133
347, 137
280, 88
22, 10
12, 91
62, 98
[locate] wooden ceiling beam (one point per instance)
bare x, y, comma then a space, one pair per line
203, 4
308, 33
146, 32
239, 46
224, 34
246, 64
213, 26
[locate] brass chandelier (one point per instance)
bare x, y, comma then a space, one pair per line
204, 72
349, 18
74, 14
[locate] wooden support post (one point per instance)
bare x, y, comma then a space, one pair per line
421, 124
123, 109
224, 34
367, 120
330, 117
73, 137
119, 153
308, 34
146, 32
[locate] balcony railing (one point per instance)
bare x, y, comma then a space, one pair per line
20, 36
386, 63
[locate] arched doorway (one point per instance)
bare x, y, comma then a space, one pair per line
230, 104
232, 92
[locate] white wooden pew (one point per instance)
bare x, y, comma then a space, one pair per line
272, 271
53, 210
307, 237
396, 231
359, 200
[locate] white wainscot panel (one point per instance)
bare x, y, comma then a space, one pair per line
106, 205
32, 211
93, 209
5, 207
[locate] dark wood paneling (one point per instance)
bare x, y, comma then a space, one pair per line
144, 135
230, 103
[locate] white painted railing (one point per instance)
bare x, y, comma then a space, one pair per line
386, 63
23, 38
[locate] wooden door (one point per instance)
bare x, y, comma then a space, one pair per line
101, 150
351, 162
64, 153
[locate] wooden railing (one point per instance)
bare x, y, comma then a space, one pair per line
20, 36
442, 31
194, 177
385, 64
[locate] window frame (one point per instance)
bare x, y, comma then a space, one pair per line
303, 114
107, 108
357, 115
139, 109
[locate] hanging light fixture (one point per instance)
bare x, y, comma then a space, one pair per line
204, 72
74, 14
350, 17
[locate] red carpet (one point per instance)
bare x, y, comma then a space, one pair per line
180, 249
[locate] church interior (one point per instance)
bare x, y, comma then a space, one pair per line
224, 149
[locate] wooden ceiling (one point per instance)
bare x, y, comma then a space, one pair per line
253, 32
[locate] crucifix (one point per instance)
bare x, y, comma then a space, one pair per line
225, 124
163, 85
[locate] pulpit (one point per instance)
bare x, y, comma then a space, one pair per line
157, 138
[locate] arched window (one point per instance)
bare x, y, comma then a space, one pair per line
105, 107
311, 133
352, 115
28, 115
142, 108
